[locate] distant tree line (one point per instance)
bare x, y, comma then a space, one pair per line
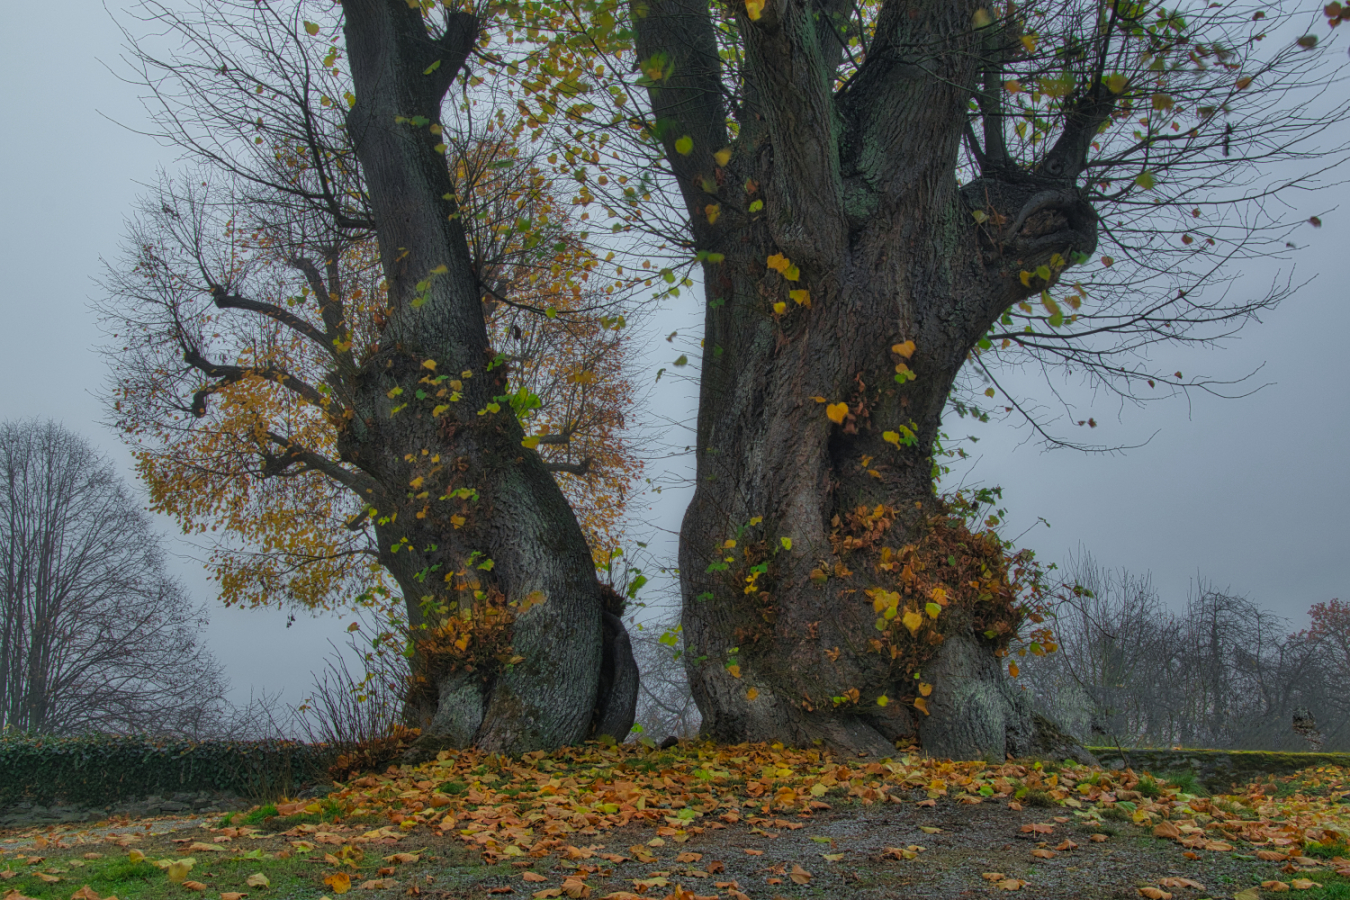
1220, 673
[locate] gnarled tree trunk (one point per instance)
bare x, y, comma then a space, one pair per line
471, 524
852, 196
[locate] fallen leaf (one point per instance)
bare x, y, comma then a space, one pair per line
199, 847
258, 880
232, 895
402, 858
929, 829
194, 885
799, 875
1153, 893
1275, 887
85, 893
1180, 882
749, 852
836, 412
50, 879
533, 876
1304, 884
1098, 838
1042, 853
340, 882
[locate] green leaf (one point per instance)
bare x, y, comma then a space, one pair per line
1145, 180
684, 146
311, 28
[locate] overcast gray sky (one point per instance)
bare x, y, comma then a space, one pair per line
1250, 494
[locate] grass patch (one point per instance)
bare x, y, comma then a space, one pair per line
1334, 887
453, 788
1148, 786
1187, 782
1327, 850
144, 881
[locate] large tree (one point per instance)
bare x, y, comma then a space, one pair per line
330, 336
886, 198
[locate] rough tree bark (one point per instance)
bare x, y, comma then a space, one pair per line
860, 193
468, 521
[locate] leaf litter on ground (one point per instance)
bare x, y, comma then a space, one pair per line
520, 811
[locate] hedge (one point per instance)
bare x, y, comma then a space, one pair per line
97, 770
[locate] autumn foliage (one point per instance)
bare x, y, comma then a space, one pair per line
245, 455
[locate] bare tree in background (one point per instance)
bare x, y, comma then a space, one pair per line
94, 635
665, 705
1222, 673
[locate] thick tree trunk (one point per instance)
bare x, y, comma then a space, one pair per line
851, 197
506, 613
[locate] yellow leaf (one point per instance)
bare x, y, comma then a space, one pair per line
912, 620
429, 363
530, 442
780, 307
684, 146
755, 9
906, 349
932, 609
457, 521
925, 689
792, 273
982, 17
712, 211
891, 437
734, 671
921, 705
723, 156
136, 856
778, 262
340, 882
258, 880
1029, 42
836, 412
883, 700
178, 871
752, 693
801, 297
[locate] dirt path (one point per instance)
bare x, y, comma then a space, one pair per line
850, 850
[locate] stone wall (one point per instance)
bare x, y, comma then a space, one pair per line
205, 803
1217, 770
